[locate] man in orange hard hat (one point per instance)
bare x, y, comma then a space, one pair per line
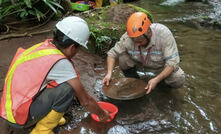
42, 81
148, 49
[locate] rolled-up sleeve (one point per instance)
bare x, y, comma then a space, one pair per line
119, 47
170, 50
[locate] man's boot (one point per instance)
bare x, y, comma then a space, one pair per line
98, 3
113, 2
46, 125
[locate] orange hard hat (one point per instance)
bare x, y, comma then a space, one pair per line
137, 24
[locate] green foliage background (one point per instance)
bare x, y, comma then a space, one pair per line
28, 8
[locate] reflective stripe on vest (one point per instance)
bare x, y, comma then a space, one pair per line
25, 53
23, 58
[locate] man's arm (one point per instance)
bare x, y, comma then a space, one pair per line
86, 100
170, 54
113, 53
153, 82
110, 67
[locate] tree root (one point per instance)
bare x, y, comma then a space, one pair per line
26, 34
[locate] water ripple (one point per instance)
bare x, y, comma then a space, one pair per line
171, 2
212, 127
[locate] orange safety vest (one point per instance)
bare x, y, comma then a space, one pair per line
24, 79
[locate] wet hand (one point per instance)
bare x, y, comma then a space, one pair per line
106, 80
151, 85
105, 117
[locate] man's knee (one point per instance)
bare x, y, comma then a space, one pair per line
58, 99
176, 79
65, 89
125, 62
63, 97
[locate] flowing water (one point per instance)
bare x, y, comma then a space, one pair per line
194, 108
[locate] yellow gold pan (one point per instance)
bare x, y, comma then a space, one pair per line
125, 88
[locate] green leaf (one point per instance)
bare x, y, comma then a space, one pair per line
56, 4
7, 9
22, 15
49, 4
39, 14
45, 1
28, 3
31, 12
10, 9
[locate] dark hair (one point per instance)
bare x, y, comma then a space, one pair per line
61, 41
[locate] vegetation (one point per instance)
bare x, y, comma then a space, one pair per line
28, 8
105, 32
149, 15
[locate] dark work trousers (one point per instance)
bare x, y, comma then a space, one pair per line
58, 99
131, 72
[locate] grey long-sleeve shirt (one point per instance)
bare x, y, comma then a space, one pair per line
163, 50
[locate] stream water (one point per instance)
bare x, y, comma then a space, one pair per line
194, 108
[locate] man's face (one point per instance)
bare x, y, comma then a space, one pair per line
71, 51
140, 40
74, 50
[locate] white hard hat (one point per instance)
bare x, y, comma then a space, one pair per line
75, 28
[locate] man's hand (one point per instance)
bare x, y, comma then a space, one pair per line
152, 83
105, 117
106, 79
110, 66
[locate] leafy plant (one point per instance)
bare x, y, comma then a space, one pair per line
25, 8
102, 43
52, 4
